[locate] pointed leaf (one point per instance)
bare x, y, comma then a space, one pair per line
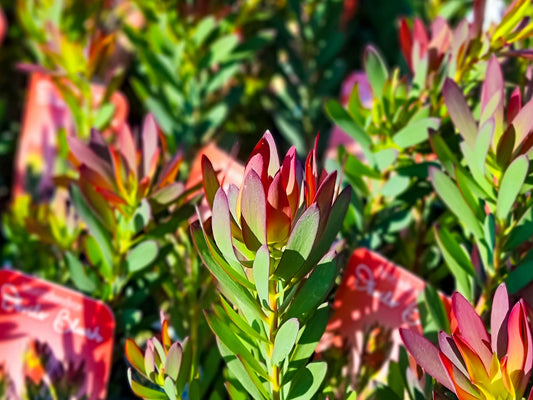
233, 291
253, 211
415, 132
313, 291
453, 198
173, 362
135, 356
460, 112
221, 227
308, 381
261, 271
235, 365
510, 186
340, 117
78, 275
234, 344
426, 355
300, 243
333, 225
141, 256
144, 392
376, 70
285, 341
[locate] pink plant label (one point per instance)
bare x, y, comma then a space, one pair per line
374, 291
75, 327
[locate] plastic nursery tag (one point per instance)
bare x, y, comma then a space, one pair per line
77, 331
231, 170
373, 292
45, 113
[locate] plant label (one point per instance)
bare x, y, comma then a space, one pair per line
375, 291
76, 329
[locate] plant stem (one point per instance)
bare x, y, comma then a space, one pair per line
273, 325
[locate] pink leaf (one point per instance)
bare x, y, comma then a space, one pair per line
253, 211
498, 320
149, 144
427, 355
515, 104
472, 329
460, 112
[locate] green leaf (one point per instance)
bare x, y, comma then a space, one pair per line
234, 344
285, 340
396, 185
443, 152
308, 339
135, 356
313, 291
457, 260
333, 225
308, 381
141, 256
220, 50
504, 150
453, 198
142, 216
376, 71
221, 77
415, 132
261, 272
233, 291
170, 389
204, 28
194, 390
96, 228
144, 392
104, 116
354, 166
466, 187
436, 308
236, 367
339, 116
300, 243
521, 232
186, 366
385, 158
512, 181
77, 274
520, 277
290, 130
241, 323
96, 258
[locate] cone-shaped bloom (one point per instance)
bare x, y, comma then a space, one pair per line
473, 363
269, 204
120, 175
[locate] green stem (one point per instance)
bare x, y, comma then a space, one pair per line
273, 325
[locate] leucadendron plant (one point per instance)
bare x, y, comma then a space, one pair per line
267, 244
124, 191
166, 365
473, 363
486, 186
